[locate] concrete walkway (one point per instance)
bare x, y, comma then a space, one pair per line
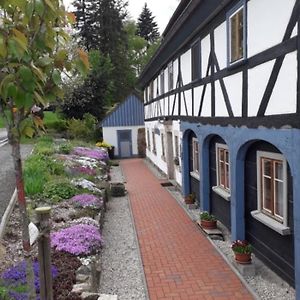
179, 262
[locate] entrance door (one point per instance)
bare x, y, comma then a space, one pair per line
124, 143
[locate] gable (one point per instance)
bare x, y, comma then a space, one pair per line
130, 112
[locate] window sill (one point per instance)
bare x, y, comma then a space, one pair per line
195, 175
237, 64
273, 224
221, 192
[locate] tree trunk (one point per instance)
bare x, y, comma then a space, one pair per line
16, 154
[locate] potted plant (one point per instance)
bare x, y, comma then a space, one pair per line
208, 221
242, 251
190, 198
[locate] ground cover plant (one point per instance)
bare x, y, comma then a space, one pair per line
75, 203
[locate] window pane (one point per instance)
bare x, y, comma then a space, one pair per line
227, 177
222, 174
279, 198
267, 164
267, 190
226, 156
237, 36
221, 154
279, 170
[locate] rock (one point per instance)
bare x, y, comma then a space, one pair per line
80, 288
83, 270
2, 251
81, 278
90, 296
108, 297
117, 189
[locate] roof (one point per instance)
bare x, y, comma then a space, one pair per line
129, 112
188, 20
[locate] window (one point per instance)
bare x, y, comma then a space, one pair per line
170, 76
237, 33
162, 83
272, 191
195, 153
223, 171
176, 146
148, 139
146, 95
153, 143
151, 91
163, 151
196, 61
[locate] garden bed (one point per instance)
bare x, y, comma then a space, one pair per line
72, 181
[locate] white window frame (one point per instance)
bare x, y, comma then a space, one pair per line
170, 71
219, 189
241, 6
195, 156
278, 224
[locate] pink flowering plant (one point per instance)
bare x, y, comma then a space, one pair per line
84, 170
99, 153
87, 200
242, 247
78, 239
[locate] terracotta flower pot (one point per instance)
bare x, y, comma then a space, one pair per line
209, 224
243, 258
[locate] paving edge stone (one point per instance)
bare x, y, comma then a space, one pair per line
108, 297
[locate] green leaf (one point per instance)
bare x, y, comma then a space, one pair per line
38, 72
3, 85
19, 98
39, 99
56, 77
20, 38
11, 90
25, 74
28, 100
14, 49
58, 92
44, 61
3, 48
39, 7
49, 3
28, 131
50, 97
29, 9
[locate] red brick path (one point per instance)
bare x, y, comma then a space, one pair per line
179, 262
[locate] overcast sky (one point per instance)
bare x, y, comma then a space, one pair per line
162, 10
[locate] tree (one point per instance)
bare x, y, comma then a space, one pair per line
93, 94
101, 27
147, 27
32, 57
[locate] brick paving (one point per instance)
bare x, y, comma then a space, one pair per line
179, 262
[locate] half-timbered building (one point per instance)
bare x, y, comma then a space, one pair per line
222, 118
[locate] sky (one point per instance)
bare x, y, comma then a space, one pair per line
162, 10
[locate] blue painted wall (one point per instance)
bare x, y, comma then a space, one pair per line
238, 141
129, 112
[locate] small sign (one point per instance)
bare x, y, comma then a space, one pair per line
33, 233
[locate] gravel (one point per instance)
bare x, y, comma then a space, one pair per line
122, 270
7, 176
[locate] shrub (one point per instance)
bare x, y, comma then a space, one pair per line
78, 239
77, 129
59, 190
58, 125
65, 148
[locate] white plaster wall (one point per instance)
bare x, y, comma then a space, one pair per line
234, 87
197, 99
221, 45
267, 22
110, 136
221, 110
166, 79
175, 73
172, 99
155, 88
186, 67
206, 108
188, 99
156, 158
284, 96
205, 50
257, 82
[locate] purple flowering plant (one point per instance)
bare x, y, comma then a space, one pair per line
87, 200
100, 153
14, 279
84, 170
78, 239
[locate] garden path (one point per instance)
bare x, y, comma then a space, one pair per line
179, 262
